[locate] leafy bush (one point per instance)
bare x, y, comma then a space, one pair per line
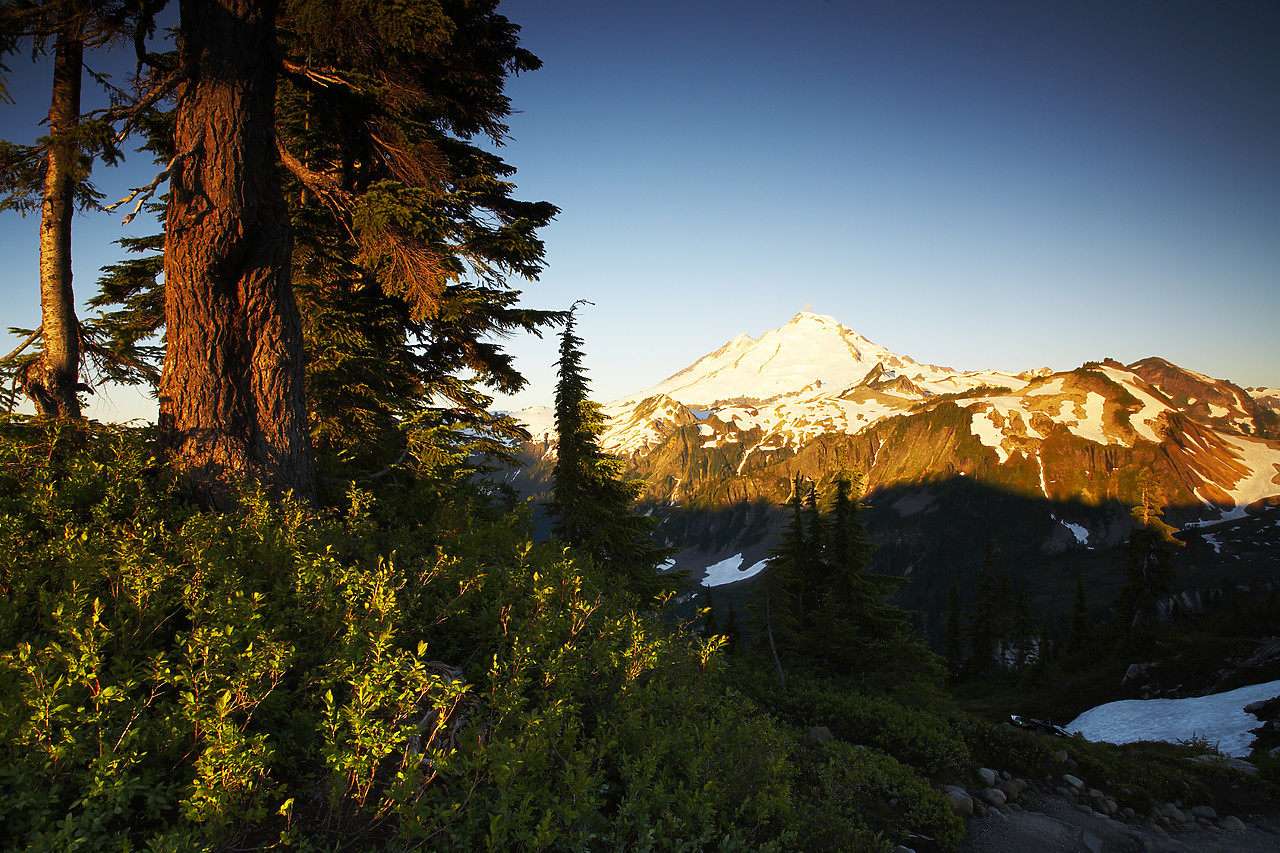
853, 799
183, 680
913, 736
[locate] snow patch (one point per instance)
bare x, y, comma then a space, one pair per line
1219, 718
989, 433
730, 570
1079, 531
1085, 419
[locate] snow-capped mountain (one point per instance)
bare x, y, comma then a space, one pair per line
754, 403
809, 377
1047, 463
810, 354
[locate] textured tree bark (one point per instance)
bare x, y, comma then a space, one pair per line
232, 401
51, 382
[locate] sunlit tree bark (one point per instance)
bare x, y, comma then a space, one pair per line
232, 401
51, 382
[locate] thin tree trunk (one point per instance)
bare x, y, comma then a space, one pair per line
51, 382
768, 631
232, 401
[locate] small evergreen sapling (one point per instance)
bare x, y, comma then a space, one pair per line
591, 505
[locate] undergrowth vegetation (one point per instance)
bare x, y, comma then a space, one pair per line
407, 669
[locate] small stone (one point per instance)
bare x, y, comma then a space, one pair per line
961, 802
1009, 789
979, 810
1095, 794
1232, 824
1204, 813
988, 776
1061, 755
1073, 781
993, 797
1128, 813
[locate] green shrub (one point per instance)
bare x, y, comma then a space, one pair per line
913, 736
850, 798
183, 680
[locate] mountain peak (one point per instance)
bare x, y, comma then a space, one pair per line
811, 354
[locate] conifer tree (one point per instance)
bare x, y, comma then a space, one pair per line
1024, 632
710, 625
732, 633
982, 627
405, 232
592, 507
1079, 629
777, 609
53, 176
1149, 573
859, 630
952, 641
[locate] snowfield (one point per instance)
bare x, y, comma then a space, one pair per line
1219, 719
730, 570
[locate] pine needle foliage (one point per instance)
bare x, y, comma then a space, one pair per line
817, 609
592, 507
1149, 573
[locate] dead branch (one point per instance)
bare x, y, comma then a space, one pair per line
304, 72
142, 194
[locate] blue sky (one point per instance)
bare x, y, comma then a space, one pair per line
983, 185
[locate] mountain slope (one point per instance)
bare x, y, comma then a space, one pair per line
1047, 463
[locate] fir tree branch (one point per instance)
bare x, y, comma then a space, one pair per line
23, 345
129, 114
326, 186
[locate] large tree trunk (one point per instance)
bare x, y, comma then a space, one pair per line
232, 402
51, 382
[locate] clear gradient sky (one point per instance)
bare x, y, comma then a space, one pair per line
981, 184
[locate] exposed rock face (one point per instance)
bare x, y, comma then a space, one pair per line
1047, 463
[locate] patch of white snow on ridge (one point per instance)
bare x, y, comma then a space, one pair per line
730, 571
1085, 420
1152, 408
989, 433
1053, 386
540, 421
1220, 719
1262, 460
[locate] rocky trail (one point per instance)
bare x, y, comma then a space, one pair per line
1014, 815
